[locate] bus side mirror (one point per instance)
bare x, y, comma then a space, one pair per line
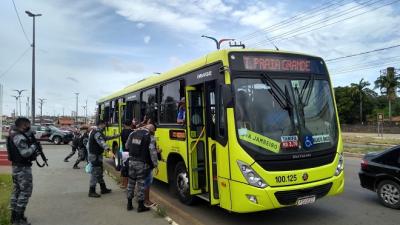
226, 92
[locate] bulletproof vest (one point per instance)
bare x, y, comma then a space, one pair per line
13, 153
83, 140
94, 147
139, 146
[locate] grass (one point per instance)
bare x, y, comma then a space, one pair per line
5, 187
160, 211
363, 150
370, 140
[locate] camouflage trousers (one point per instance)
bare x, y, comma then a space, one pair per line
137, 174
97, 169
81, 156
22, 190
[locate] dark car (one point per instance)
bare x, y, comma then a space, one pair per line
380, 172
52, 134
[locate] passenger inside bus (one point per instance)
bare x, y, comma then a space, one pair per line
181, 111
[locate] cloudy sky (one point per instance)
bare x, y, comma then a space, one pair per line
95, 47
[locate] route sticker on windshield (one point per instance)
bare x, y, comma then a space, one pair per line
242, 131
289, 141
260, 140
323, 138
295, 84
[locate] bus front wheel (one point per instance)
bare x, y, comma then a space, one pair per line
182, 184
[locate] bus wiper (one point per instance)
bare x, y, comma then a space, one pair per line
310, 83
282, 97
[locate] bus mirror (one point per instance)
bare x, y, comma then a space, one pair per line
226, 93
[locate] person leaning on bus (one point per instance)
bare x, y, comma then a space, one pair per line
181, 111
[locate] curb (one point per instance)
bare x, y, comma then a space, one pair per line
110, 171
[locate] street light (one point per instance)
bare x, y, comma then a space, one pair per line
33, 63
19, 99
16, 105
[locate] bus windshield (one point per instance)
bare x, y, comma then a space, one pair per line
280, 115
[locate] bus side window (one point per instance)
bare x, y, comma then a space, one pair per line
149, 104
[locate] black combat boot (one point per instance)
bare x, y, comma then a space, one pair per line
141, 207
129, 207
24, 220
20, 219
92, 193
66, 160
76, 166
104, 189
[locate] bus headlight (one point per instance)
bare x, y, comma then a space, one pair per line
340, 165
251, 176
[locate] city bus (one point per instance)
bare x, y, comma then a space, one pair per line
261, 128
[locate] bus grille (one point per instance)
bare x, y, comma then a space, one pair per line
296, 164
290, 197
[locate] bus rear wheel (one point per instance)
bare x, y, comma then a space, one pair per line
182, 184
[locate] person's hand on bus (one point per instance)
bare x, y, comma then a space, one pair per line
156, 171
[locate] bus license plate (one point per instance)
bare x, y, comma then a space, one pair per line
305, 200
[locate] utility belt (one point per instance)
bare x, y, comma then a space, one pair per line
137, 159
21, 164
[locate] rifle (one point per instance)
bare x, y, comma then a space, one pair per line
40, 153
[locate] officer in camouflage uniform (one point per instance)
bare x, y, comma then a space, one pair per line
22, 150
142, 159
74, 146
97, 146
81, 146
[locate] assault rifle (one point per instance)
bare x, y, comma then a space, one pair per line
40, 153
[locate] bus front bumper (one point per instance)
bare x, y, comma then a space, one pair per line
246, 198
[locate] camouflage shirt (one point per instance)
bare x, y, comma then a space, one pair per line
22, 144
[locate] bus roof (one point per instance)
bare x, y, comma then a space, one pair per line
176, 72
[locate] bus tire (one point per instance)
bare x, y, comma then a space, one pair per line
182, 184
117, 156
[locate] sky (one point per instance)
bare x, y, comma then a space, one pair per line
96, 47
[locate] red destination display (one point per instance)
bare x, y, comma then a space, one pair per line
276, 64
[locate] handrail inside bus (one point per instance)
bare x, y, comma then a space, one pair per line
198, 139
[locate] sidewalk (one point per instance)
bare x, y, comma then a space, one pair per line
373, 135
60, 197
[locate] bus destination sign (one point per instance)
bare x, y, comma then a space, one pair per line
277, 64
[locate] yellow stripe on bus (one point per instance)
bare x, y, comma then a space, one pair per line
260, 140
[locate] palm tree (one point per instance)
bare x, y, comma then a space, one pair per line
388, 83
361, 89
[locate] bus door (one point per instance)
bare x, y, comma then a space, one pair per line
211, 153
201, 141
197, 147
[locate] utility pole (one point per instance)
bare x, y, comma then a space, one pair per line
41, 102
16, 105
76, 112
33, 64
19, 99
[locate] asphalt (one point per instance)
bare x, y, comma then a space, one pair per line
60, 197
356, 206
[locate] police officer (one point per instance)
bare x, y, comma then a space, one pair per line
97, 146
142, 158
22, 150
81, 145
74, 146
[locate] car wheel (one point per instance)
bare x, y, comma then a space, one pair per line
57, 140
389, 194
182, 184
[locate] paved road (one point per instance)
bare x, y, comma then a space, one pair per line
60, 197
355, 206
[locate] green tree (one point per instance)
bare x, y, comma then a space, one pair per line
360, 89
388, 83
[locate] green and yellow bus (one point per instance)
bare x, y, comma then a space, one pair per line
261, 129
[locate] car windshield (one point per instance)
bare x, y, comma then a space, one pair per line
53, 128
284, 115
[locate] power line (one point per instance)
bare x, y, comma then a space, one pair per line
365, 67
339, 21
15, 62
20, 23
287, 34
303, 16
362, 53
